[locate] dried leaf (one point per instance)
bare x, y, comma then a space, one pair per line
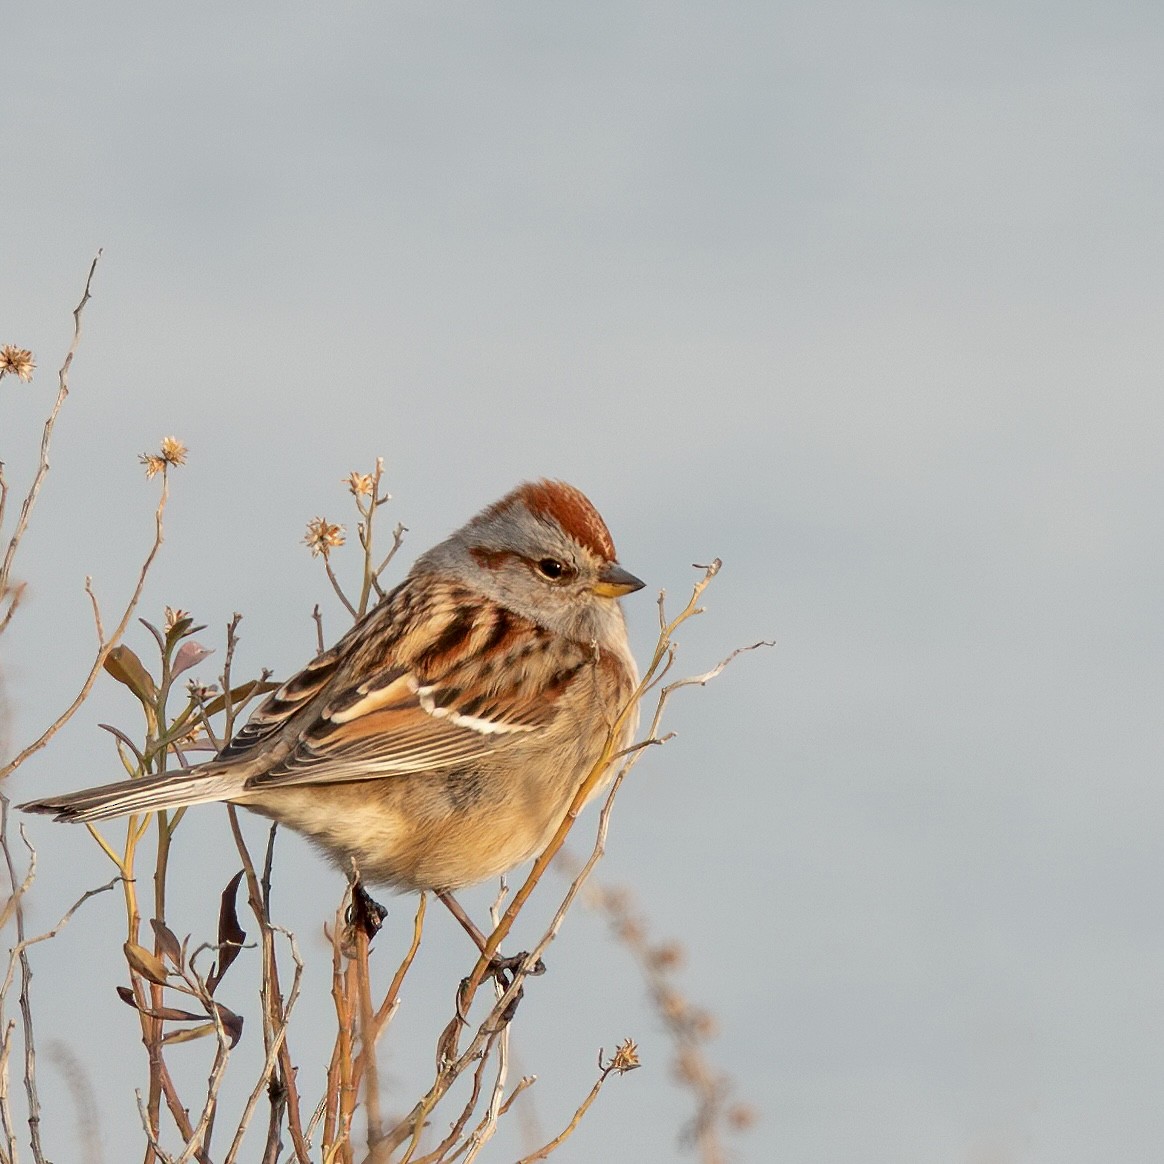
182, 627
146, 963
169, 944
169, 1013
231, 935
446, 1044
190, 654
124, 740
231, 1023
188, 1034
240, 694
158, 636
127, 668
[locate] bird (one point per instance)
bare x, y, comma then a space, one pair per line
441, 740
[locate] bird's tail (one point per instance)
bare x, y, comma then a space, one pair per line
175, 789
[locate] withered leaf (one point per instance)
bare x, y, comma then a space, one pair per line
240, 694
231, 935
183, 627
127, 668
169, 944
190, 654
231, 1023
187, 1034
172, 1013
146, 963
125, 740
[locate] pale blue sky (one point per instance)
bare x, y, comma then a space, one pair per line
863, 298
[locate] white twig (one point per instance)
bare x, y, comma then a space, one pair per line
161, 1153
484, 1131
272, 1051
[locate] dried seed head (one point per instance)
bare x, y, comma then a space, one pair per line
173, 452
17, 361
359, 484
323, 536
625, 1058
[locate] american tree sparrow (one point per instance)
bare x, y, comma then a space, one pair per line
441, 740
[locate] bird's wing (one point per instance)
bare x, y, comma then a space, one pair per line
434, 700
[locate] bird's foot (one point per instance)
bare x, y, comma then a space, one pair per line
504, 971
364, 915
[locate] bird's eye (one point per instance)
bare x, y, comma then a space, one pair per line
553, 569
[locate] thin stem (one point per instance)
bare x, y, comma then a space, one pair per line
106, 647
46, 437
337, 587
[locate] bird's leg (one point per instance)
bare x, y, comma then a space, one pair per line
498, 965
467, 924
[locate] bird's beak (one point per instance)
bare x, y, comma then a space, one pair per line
614, 582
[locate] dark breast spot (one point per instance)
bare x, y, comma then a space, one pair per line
463, 788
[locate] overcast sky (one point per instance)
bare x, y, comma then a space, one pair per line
863, 298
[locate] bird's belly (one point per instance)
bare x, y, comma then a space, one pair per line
442, 832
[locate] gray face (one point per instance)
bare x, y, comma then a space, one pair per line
532, 566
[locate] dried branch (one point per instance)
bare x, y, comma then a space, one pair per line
9, 1155
106, 648
19, 957
196, 1141
46, 438
624, 1059
397, 541
276, 1012
484, 1131
274, 1051
339, 590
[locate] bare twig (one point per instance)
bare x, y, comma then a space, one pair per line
227, 663
19, 957
366, 1065
339, 590
397, 541
106, 647
20, 952
9, 1156
273, 1051
483, 1133
155, 1147
96, 610
624, 1059
46, 438
317, 615
276, 1012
